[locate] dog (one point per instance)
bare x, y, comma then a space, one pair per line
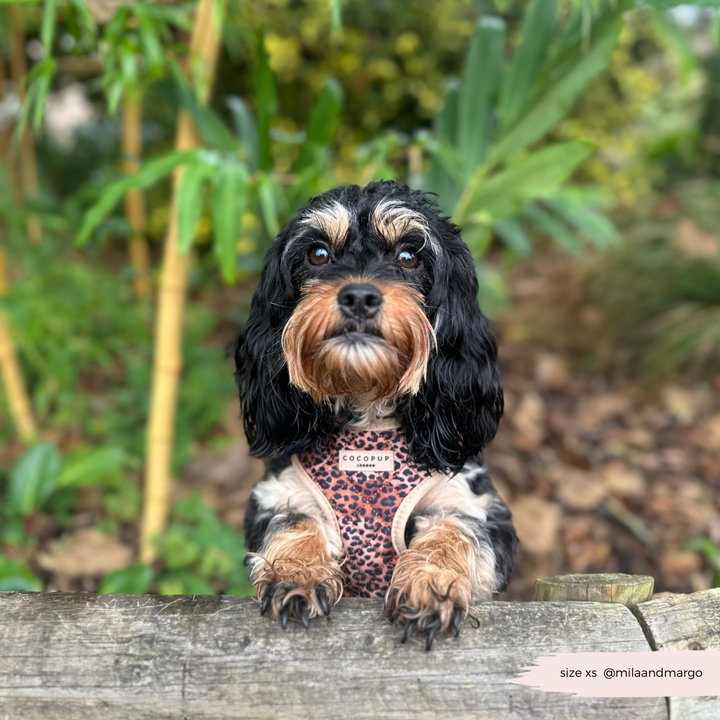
368, 378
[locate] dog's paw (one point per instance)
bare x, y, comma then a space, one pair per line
299, 598
431, 602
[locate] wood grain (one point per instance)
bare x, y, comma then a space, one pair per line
685, 622
606, 588
82, 656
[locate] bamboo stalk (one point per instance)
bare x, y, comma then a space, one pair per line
13, 381
167, 362
139, 253
18, 71
18, 400
5, 154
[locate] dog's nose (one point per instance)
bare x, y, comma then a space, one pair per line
359, 301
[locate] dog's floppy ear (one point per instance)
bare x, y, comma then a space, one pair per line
278, 418
456, 412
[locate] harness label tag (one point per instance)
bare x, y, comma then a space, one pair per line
377, 460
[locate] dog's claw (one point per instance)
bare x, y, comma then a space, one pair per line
457, 619
267, 600
426, 622
323, 600
283, 602
409, 627
431, 636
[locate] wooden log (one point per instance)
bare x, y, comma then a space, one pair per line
82, 657
628, 590
685, 622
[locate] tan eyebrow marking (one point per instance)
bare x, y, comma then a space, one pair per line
333, 220
393, 220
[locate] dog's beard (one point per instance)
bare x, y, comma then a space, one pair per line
327, 362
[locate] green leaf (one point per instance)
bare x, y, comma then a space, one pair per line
246, 130
129, 68
33, 479
266, 101
551, 226
595, 226
571, 43
513, 234
446, 158
148, 37
479, 237
447, 170
133, 580
325, 113
556, 102
483, 71
41, 90
269, 210
322, 121
537, 175
16, 576
47, 29
336, 15
38, 82
92, 466
114, 95
446, 121
114, 29
538, 28
228, 205
85, 16
189, 201
213, 129
493, 292
677, 41
150, 173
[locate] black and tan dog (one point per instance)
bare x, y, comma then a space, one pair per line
368, 377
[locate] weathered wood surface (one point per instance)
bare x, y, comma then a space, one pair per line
606, 588
82, 656
685, 622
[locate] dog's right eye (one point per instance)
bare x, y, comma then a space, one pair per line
318, 255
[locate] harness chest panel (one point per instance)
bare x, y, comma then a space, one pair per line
365, 500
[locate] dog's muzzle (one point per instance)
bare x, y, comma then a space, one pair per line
359, 301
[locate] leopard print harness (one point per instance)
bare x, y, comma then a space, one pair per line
369, 485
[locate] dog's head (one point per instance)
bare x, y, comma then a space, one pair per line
369, 295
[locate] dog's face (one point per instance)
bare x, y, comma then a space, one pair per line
360, 328
369, 294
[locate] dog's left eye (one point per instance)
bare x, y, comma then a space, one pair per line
408, 259
318, 255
